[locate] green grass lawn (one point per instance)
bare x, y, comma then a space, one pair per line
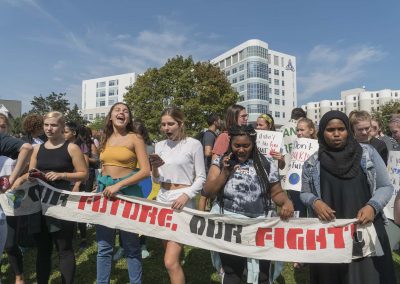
196, 264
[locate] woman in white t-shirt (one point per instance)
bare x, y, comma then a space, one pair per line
178, 165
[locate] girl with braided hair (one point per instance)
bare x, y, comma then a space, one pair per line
245, 182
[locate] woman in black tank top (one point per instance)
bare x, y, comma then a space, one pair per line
62, 163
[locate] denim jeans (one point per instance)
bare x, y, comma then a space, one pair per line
130, 242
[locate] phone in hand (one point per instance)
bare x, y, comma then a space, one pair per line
233, 160
156, 159
35, 173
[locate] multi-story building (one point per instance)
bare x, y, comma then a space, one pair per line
353, 99
99, 94
11, 108
265, 79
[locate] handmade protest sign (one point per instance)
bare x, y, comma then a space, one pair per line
268, 141
393, 167
302, 149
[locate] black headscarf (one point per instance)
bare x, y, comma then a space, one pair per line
344, 162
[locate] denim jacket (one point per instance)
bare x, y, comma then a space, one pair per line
373, 166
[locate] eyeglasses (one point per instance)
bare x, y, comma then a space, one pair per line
244, 116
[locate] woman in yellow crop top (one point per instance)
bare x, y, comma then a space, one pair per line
120, 151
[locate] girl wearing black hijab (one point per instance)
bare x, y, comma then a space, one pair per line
347, 180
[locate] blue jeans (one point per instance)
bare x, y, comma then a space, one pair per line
130, 243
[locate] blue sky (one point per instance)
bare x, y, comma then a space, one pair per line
51, 46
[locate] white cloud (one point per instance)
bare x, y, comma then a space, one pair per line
152, 48
327, 68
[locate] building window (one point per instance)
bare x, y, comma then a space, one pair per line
377, 95
276, 92
101, 84
241, 67
222, 64
277, 114
283, 83
112, 92
256, 108
227, 73
241, 88
269, 80
283, 73
256, 69
282, 62
269, 58
283, 92
241, 77
97, 115
276, 72
372, 95
276, 60
269, 70
100, 93
102, 114
113, 83
354, 98
283, 114
234, 70
234, 58
277, 102
228, 62
283, 102
90, 116
100, 103
234, 80
355, 105
276, 82
257, 91
241, 98
111, 102
257, 51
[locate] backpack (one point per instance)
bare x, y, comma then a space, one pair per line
200, 135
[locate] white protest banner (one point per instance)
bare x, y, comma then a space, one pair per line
268, 141
296, 240
393, 167
302, 149
21, 201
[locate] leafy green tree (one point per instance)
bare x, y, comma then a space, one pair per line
75, 115
53, 102
197, 88
98, 124
385, 112
16, 127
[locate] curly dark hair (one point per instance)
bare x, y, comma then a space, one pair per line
32, 123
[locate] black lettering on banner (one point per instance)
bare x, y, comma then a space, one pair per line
194, 225
64, 199
46, 195
54, 198
33, 193
229, 232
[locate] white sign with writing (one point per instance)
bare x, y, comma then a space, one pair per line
303, 148
393, 167
268, 141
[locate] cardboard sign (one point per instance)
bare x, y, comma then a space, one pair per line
302, 149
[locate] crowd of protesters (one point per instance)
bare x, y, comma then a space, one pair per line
222, 169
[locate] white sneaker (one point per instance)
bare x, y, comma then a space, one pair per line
145, 252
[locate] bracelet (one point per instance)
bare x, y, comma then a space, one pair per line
276, 193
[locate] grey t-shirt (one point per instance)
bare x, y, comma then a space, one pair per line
243, 192
209, 138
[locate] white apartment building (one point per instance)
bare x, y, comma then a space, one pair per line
353, 99
265, 79
99, 94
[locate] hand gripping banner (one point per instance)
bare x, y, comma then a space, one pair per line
297, 240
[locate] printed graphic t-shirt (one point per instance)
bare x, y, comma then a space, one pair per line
243, 191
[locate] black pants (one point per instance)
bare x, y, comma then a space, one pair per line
11, 247
297, 204
63, 241
235, 267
